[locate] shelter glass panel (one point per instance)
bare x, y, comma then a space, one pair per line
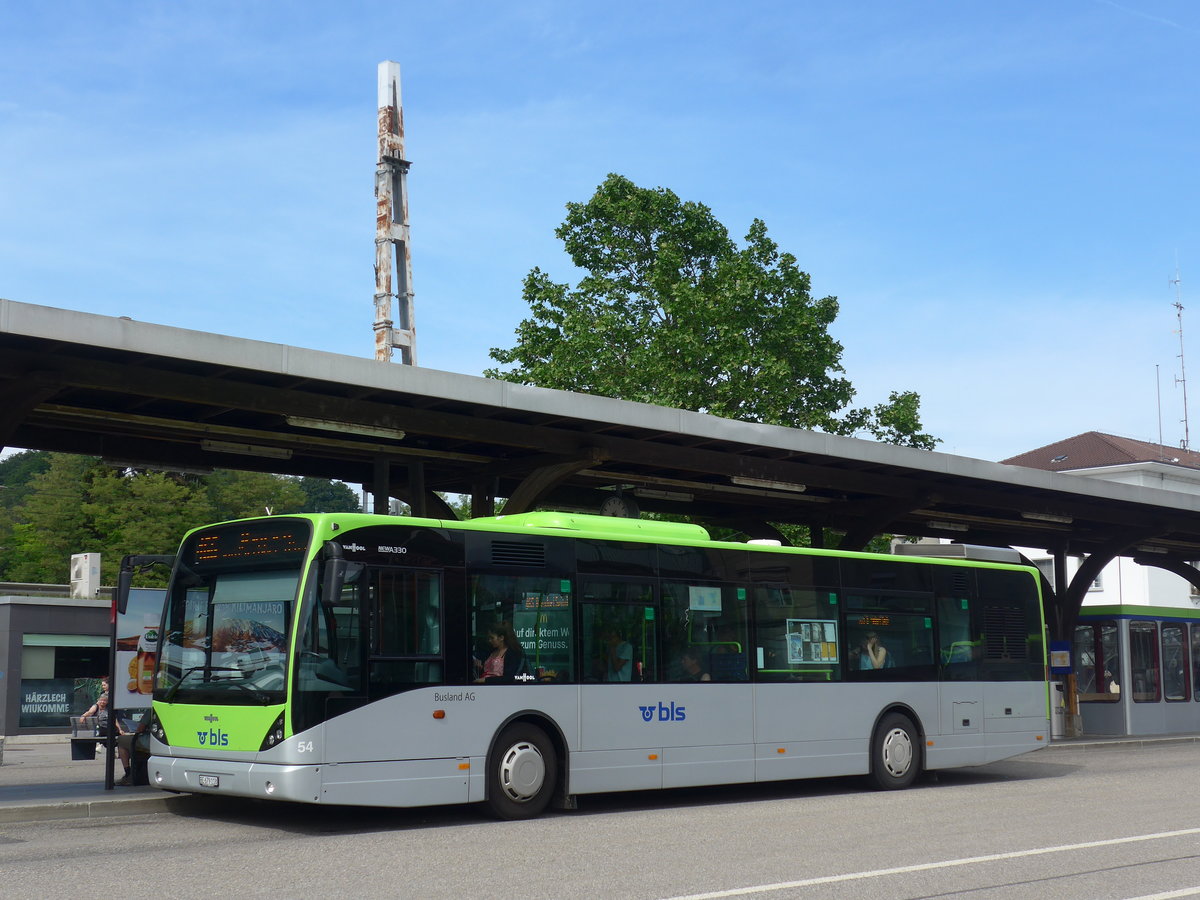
1195, 629
1174, 661
1096, 660
1143, 661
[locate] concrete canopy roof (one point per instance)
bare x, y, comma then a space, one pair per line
148, 394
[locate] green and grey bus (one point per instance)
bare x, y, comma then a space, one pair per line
340, 658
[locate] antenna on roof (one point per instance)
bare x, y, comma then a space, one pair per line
1182, 378
1162, 451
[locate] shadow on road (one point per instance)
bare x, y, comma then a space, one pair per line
322, 819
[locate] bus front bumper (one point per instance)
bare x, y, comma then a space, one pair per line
300, 784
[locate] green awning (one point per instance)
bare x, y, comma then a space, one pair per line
64, 640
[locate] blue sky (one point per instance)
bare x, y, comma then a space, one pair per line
996, 192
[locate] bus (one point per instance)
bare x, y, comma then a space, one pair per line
341, 658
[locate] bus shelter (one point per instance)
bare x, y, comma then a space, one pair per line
143, 395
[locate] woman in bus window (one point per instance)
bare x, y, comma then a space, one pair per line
507, 659
872, 654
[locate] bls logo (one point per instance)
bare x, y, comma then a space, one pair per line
212, 738
670, 713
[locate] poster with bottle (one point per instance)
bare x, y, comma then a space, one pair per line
137, 649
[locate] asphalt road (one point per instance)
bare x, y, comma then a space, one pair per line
1060, 824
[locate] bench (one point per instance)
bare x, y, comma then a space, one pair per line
86, 736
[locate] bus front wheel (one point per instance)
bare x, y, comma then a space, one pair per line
895, 753
522, 772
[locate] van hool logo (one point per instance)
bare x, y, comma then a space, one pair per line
359, 547
670, 713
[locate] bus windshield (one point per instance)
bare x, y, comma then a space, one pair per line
228, 624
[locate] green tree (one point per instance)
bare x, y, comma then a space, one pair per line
142, 512
671, 311
323, 495
238, 495
17, 473
53, 523
78, 505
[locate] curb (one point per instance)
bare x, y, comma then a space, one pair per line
1121, 743
84, 809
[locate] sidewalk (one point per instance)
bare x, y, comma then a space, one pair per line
1101, 742
40, 782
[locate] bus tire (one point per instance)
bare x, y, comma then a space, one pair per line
522, 772
895, 753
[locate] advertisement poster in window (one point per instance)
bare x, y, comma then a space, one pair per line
542, 623
137, 649
812, 641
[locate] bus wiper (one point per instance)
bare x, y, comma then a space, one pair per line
182, 678
261, 696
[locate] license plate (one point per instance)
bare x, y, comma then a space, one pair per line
210, 781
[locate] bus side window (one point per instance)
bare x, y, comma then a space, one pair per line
890, 635
705, 624
618, 632
796, 634
405, 618
540, 610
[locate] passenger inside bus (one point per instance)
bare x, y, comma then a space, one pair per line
689, 662
506, 663
872, 653
619, 654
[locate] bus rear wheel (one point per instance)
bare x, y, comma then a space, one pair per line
895, 753
522, 772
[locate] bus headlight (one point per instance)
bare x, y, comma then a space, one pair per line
156, 729
274, 734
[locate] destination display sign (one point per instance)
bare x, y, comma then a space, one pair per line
251, 542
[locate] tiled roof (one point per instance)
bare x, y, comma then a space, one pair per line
1093, 449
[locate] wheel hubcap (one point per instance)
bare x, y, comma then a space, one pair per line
897, 752
522, 772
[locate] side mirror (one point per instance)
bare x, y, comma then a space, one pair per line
124, 580
130, 565
331, 584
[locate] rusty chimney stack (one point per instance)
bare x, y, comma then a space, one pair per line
391, 227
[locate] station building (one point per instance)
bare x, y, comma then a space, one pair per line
53, 653
1136, 648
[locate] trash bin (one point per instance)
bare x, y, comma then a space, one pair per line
83, 749
1058, 712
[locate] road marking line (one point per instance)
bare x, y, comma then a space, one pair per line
1170, 895
947, 864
